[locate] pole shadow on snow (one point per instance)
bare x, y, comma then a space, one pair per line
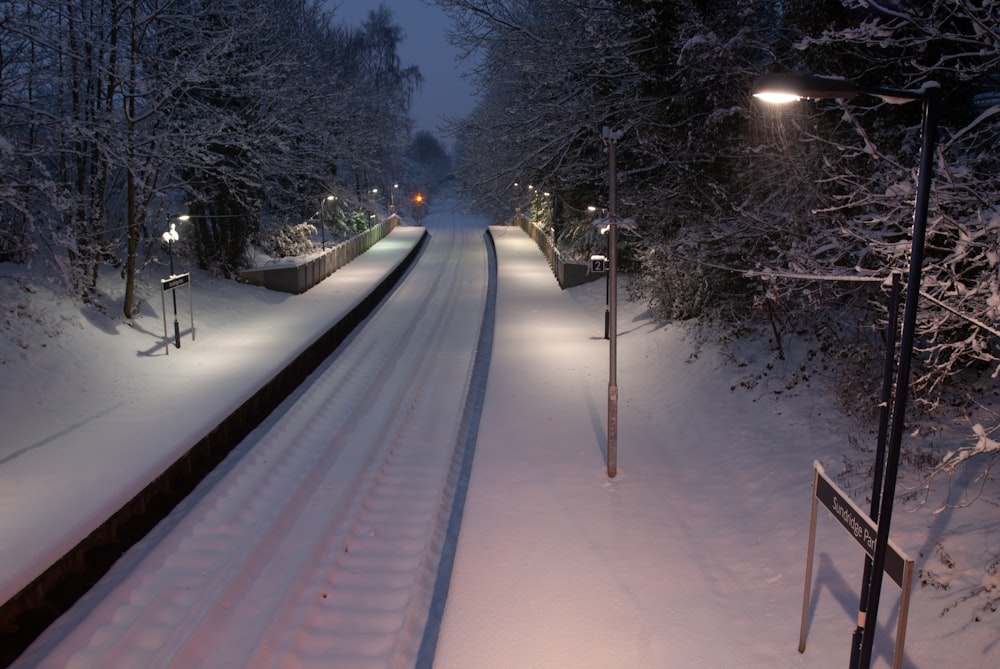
830, 579
599, 426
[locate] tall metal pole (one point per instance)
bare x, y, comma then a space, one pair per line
612, 138
171, 236
173, 293
932, 103
888, 368
607, 302
322, 225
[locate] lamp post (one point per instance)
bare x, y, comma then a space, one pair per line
607, 280
611, 140
392, 198
171, 236
787, 88
373, 202
555, 207
322, 217
419, 199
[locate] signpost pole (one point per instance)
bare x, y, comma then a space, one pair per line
883, 430
807, 591
163, 303
172, 284
191, 308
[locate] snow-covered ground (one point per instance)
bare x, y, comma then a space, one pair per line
693, 556
94, 409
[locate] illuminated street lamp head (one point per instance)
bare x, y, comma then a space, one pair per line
419, 199
784, 88
171, 234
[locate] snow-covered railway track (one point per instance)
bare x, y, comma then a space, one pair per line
317, 542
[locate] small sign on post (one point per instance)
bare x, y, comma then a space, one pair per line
898, 565
170, 285
598, 264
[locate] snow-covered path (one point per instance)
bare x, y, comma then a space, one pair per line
319, 537
694, 555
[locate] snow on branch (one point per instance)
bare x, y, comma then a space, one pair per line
805, 276
984, 444
970, 319
992, 111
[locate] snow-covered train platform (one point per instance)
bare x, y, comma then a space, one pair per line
91, 428
692, 556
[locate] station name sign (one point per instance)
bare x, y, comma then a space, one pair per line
175, 281
858, 524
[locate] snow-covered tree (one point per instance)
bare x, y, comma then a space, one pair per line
428, 161
869, 167
730, 197
671, 76
376, 125
114, 115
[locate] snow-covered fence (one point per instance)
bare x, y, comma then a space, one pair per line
301, 276
569, 273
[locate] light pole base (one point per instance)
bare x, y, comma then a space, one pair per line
612, 431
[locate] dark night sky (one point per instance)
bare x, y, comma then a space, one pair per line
444, 92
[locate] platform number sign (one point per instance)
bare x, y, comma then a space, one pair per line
598, 264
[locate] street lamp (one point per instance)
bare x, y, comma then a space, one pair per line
171, 236
790, 87
322, 218
550, 212
611, 139
419, 199
392, 198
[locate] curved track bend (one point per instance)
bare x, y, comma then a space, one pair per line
317, 542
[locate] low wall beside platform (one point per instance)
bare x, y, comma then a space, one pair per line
569, 273
298, 277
